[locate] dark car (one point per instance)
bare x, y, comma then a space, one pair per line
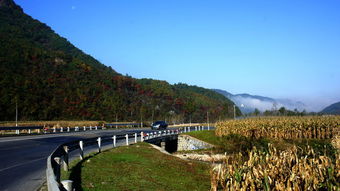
158, 125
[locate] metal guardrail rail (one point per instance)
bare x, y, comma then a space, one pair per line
121, 124
21, 128
44, 130
59, 159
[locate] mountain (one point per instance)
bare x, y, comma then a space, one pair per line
48, 78
247, 103
333, 109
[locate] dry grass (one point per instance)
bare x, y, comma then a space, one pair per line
336, 142
295, 168
278, 171
320, 127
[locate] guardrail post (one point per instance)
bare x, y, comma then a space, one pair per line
127, 139
135, 137
208, 128
195, 128
81, 150
99, 140
54, 130
68, 129
90, 128
96, 128
185, 129
114, 140
141, 136
76, 128
29, 131
84, 128
57, 169
65, 161
61, 129
67, 184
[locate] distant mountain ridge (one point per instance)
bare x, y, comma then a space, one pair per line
48, 78
332, 109
247, 103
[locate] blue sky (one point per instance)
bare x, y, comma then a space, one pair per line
281, 49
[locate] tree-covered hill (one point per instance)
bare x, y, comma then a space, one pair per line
49, 78
333, 109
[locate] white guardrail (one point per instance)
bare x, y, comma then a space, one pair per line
45, 130
59, 159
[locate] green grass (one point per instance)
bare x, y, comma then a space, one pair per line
138, 167
230, 144
207, 136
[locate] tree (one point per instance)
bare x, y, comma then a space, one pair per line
256, 112
282, 111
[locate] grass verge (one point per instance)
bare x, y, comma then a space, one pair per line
138, 167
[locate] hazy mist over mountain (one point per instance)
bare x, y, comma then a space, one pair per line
247, 103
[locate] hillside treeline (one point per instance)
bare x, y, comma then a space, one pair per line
48, 79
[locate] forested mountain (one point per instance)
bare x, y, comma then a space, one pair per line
332, 109
49, 78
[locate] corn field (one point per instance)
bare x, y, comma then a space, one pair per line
318, 127
277, 171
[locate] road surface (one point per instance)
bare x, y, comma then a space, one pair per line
23, 159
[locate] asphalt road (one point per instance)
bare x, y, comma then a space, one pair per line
23, 159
